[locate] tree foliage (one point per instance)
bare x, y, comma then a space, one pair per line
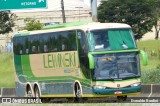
136, 13
6, 21
156, 16
32, 24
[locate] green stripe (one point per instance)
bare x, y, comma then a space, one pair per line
18, 68
26, 67
116, 51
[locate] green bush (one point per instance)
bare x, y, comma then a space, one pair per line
32, 24
151, 76
158, 66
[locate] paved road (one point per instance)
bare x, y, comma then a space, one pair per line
148, 91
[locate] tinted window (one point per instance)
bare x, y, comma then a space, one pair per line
20, 45
34, 44
44, 43
67, 41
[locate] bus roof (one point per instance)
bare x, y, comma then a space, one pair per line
73, 26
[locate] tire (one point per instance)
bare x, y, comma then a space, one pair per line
29, 92
78, 93
37, 95
36, 92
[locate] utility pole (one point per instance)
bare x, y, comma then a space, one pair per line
94, 10
63, 12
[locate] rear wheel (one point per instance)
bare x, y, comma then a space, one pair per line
37, 95
29, 91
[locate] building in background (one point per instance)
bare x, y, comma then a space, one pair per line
75, 10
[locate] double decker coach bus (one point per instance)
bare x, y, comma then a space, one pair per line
77, 60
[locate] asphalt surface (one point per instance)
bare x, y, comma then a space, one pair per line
151, 91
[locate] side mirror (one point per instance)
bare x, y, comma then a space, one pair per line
144, 57
91, 61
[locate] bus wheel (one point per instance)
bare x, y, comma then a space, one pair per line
78, 93
121, 98
29, 92
36, 92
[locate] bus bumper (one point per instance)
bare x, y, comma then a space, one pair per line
113, 91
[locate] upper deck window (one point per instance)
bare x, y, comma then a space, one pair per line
45, 43
112, 39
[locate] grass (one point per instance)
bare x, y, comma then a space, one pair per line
151, 77
6, 71
150, 73
150, 46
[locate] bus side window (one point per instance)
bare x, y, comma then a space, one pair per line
45, 48
63, 47
27, 50
15, 45
63, 41
82, 48
53, 42
34, 49
20, 52
82, 42
71, 41
21, 45
33, 44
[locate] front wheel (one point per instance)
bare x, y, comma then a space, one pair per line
78, 93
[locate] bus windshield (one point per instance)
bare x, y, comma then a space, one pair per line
111, 39
116, 66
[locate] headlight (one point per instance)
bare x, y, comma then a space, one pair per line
136, 84
99, 87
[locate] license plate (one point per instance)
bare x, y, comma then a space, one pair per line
118, 92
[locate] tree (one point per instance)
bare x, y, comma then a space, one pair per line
156, 16
6, 21
32, 24
136, 13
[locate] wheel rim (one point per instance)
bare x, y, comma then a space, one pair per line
29, 93
36, 93
78, 91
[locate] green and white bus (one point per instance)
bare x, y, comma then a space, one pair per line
77, 60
